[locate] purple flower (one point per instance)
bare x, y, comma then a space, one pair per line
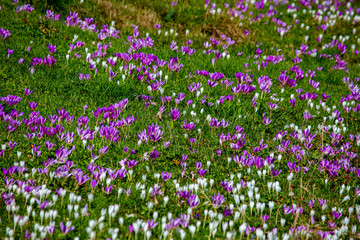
131, 163
287, 210
276, 172
175, 114
131, 229
337, 215
154, 154
11, 144
42, 205
227, 186
156, 190
357, 191
201, 172
51, 229
217, 200
66, 228
322, 201
265, 83
80, 178
49, 145
292, 101
311, 203
193, 200
265, 217
188, 126
111, 75
332, 225
166, 176
108, 189
151, 224
212, 83
227, 211
52, 48
4, 33
128, 191
33, 105
93, 183
266, 121
27, 91
166, 143
103, 150
25, 7
10, 51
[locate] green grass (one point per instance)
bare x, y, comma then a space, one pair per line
58, 86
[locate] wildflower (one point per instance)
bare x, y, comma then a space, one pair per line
166, 176
65, 229
193, 200
217, 200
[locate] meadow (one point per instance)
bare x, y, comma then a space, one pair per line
188, 119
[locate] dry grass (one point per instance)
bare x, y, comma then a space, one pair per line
125, 14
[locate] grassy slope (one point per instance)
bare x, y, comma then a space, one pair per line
58, 86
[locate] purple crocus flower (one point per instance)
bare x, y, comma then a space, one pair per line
51, 229
103, 150
217, 200
33, 105
27, 91
42, 205
11, 144
156, 190
108, 189
357, 191
66, 228
336, 214
10, 51
227, 211
111, 75
332, 225
266, 121
227, 186
193, 200
52, 48
128, 191
154, 154
151, 224
27, 234
131, 229
49, 145
201, 172
131, 163
80, 178
93, 183
175, 114
276, 172
322, 201
166, 176
212, 83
